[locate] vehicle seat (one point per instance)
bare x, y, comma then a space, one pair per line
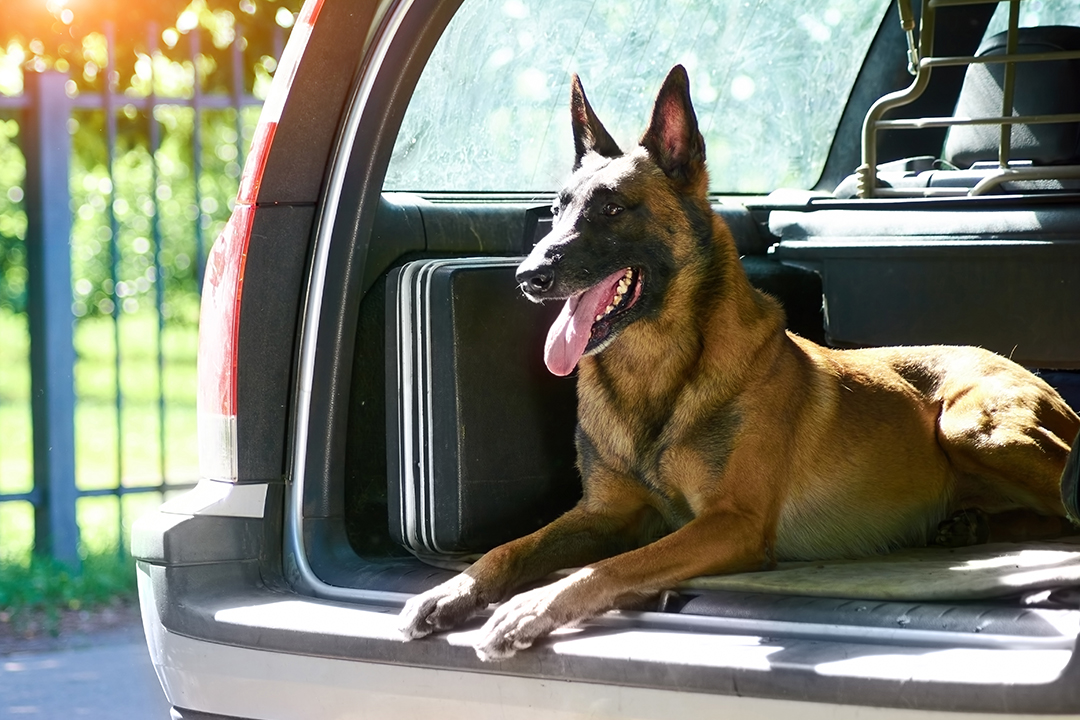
1050, 87
970, 153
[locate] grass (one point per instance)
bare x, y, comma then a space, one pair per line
35, 595
134, 444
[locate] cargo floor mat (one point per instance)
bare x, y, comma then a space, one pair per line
920, 574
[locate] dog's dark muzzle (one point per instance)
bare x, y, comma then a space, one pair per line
536, 282
536, 273
546, 274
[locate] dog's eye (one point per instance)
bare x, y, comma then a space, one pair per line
611, 209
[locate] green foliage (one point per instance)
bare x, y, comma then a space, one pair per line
12, 218
70, 36
42, 587
43, 582
162, 218
162, 224
183, 229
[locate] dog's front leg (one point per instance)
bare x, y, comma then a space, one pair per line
588, 532
720, 542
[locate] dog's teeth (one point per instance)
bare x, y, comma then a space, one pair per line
620, 292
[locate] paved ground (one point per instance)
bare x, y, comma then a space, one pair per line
100, 675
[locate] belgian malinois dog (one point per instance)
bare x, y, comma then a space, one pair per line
710, 440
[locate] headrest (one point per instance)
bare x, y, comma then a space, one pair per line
1047, 87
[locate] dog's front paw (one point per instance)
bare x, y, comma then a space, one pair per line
517, 624
441, 608
521, 620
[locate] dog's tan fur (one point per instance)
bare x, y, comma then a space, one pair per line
712, 441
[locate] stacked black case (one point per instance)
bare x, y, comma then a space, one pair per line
479, 433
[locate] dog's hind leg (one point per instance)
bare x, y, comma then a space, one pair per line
1008, 447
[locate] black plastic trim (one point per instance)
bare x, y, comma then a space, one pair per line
177, 540
318, 96
269, 317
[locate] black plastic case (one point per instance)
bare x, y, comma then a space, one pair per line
480, 444
1003, 277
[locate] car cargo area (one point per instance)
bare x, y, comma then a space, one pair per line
440, 456
372, 486
892, 271
914, 265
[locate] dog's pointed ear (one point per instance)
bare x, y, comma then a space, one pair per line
673, 139
589, 133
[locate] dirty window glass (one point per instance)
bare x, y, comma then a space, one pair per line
1035, 14
769, 81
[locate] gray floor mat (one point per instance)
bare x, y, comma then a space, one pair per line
921, 574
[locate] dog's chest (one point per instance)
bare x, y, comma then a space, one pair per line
676, 463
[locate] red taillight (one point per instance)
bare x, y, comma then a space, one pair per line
219, 319
219, 316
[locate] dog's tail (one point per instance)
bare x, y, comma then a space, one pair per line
1070, 483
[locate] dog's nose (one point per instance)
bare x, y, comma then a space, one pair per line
537, 280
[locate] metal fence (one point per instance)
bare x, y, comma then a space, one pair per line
119, 196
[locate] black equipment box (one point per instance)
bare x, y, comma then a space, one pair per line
480, 436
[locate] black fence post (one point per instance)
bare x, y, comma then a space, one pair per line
47, 148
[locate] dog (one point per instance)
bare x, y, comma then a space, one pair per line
711, 440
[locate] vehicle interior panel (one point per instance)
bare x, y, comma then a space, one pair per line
1003, 280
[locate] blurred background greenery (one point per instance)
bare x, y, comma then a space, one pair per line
127, 401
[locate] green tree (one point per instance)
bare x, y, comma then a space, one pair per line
68, 34
151, 44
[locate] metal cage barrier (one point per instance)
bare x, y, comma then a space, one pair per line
921, 63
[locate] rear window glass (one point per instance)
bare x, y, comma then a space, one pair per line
1036, 14
769, 81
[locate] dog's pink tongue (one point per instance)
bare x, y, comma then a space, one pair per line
570, 332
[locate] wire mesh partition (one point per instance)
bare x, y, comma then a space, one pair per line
149, 176
921, 62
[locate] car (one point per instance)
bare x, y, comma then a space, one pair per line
373, 411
